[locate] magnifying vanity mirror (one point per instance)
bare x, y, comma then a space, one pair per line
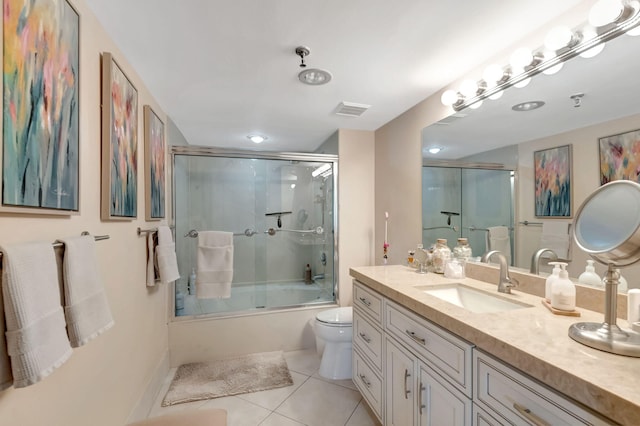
607, 227
497, 136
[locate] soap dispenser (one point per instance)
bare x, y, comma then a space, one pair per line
563, 292
555, 273
589, 276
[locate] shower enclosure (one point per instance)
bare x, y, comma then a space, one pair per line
281, 208
465, 202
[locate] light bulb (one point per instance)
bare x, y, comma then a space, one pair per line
469, 88
476, 105
558, 38
589, 34
521, 58
492, 74
554, 69
257, 138
496, 95
435, 149
522, 83
449, 97
605, 12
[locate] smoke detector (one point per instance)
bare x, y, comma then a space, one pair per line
351, 109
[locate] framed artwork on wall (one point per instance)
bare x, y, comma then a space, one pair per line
40, 138
154, 165
552, 176
620, 157
119, 196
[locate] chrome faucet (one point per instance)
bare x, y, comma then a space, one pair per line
506, 282
535, 260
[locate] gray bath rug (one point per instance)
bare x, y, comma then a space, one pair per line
214, 379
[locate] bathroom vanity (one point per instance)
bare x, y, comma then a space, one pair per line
432, 350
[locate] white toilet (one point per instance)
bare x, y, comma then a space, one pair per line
333, 329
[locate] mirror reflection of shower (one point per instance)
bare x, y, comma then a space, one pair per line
280, 208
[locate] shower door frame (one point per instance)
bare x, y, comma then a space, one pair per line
202, 151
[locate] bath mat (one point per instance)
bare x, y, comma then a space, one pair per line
214, 379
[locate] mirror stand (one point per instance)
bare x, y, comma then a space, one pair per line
607, 336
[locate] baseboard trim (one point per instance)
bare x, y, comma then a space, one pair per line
145, 403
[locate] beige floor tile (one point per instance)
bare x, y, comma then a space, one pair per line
276, 419
305, 362
239, 411
348, 383
318, 403
363, 416
271, 399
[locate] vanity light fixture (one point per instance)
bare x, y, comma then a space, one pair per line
257, 138
527, 106
311, 76
608, 19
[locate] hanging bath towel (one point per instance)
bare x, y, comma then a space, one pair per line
85, 304
498, 239
215, 265
166, 256
6, 379
36, 333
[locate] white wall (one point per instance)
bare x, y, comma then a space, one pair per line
102, 381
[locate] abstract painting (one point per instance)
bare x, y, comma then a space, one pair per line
119, 143
154, 171
552, 173
620, 157
40, 150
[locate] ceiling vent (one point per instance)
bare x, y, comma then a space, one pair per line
351, 109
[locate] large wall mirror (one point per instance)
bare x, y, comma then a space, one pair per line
587, 99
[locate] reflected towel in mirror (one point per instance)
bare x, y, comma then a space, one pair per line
498, 239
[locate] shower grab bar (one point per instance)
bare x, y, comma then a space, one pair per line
473, 228
247, 233
319, 230
452, 227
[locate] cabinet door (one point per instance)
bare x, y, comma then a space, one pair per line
439, 403
400, 383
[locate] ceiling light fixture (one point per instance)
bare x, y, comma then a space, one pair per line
257, 138
527, 106
311, 76
623, 16
434, 149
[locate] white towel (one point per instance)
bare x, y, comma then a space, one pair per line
6, 379
498, 239
152, 265
36, 331
555, 235
86, 307
166, 256
215, 265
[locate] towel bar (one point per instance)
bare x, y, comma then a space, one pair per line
61, 244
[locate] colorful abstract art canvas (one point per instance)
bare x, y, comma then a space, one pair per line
119, 143
620, 157
154, 165
552, 174
40, 150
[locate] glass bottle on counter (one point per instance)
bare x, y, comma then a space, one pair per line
463, 250
441, 254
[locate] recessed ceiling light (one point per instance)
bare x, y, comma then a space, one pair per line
434, 149
314, 76
527, 106
257, 138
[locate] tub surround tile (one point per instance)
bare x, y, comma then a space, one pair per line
532, 340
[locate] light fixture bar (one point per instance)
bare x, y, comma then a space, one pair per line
607, 33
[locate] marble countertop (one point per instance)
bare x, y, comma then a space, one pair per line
531, 339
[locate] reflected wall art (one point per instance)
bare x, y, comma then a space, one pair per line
620, 157
40, 150
552, 175
154, 171
119, 143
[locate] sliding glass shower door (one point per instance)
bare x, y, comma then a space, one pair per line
281, 212
465, 202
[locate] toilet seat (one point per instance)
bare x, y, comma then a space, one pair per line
336, 317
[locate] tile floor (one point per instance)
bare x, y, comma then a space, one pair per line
312, 400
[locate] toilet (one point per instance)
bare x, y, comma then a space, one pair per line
333, 330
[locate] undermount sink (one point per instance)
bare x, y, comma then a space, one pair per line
472, 299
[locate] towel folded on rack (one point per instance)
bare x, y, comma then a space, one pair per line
153, 275
86, 307
36, 333
214, 264
498, 238
555, 235
166, 256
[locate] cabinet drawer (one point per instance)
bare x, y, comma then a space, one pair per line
368, 301
483, 418
367, 338
440, 349
520, 400
368, 383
